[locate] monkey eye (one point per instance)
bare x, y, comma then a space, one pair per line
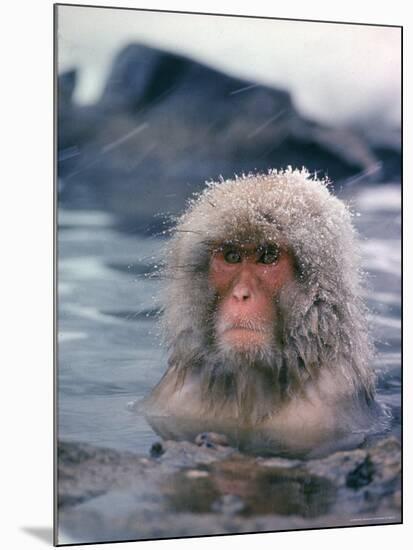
268, 256
232, 256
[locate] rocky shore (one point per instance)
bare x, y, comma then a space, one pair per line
183, 489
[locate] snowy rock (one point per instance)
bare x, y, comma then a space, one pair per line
165, 124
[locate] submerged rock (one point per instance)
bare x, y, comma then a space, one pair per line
191, 490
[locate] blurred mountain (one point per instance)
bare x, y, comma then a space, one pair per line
165, 124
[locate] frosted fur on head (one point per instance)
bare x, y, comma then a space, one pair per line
324, 323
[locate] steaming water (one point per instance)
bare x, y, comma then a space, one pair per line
109, 351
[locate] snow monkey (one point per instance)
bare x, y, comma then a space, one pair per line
263, 316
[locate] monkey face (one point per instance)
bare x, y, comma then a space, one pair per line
247, 279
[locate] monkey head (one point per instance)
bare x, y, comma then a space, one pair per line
261, 297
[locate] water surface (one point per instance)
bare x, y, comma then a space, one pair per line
109, 350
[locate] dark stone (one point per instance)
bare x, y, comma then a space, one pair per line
139, 77
67, 85
164, 124
362, 475
157, 450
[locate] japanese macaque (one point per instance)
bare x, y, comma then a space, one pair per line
263, 319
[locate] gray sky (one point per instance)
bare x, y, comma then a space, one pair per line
336, 73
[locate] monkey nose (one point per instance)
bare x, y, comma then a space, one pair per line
241, 293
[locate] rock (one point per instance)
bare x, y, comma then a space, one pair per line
192, 490
180, 454
165, 124
156, 450
139, 77
228, 505
211, 439
85, 471
361, 475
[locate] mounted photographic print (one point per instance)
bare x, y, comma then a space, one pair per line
228, 274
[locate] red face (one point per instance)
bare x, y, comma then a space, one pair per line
247, 279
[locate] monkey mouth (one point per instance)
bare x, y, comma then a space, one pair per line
244, 334
250, 326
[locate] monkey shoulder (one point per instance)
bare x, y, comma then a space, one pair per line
329, 408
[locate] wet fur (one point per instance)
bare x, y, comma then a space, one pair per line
316, 376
